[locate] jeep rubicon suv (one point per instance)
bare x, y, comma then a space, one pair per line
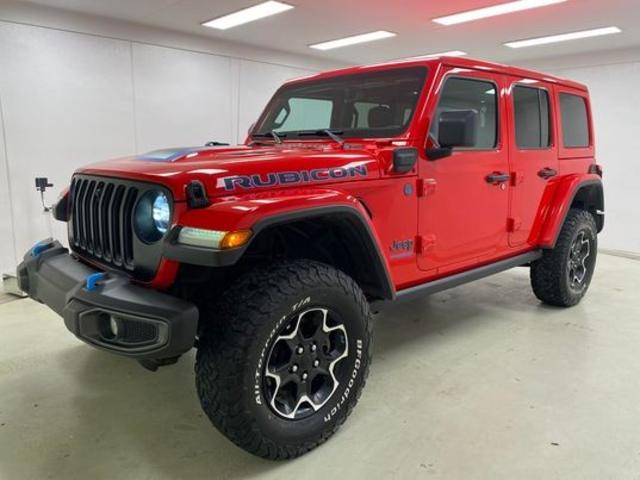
355, 186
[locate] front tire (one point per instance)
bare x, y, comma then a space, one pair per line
563, 275
284, 358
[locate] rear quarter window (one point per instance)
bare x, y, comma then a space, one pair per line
575, 122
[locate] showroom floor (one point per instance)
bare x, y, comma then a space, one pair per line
480, 382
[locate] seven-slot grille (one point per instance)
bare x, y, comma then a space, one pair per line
101, 223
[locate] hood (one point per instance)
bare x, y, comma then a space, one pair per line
244, 169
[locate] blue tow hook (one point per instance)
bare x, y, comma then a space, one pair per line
40, 247
93, 279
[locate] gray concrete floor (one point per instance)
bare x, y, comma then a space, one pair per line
480, 382
6, 298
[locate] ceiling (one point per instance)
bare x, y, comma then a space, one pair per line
315, 21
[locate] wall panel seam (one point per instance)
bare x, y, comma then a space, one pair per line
134, 100
238, 77
9, 189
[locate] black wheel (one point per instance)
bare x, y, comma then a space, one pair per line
562, 276
285, 357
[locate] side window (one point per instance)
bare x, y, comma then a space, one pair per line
531, 107
305, 114
468, 94
575, 123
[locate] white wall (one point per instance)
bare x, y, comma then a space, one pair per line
70, 98
613, 79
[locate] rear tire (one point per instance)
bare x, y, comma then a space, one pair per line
284, 357
563, 275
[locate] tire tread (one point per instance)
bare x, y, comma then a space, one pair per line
242, 310
547, 273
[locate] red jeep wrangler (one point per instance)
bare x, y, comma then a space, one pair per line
355, 186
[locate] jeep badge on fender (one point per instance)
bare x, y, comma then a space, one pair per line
362, 185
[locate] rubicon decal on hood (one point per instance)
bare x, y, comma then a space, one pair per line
273, 179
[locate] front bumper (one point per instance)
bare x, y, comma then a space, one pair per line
108, 311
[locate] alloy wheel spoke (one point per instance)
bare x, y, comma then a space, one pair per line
579, 253
301, 375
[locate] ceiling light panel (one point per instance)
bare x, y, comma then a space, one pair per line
563, 37
247, 15
353, 40
493, 11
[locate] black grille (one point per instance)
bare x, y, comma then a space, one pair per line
101, 224
101, 220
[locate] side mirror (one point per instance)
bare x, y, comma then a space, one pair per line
404, 159
457, 128
436, 153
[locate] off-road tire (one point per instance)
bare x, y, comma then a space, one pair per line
231, 355
550, 274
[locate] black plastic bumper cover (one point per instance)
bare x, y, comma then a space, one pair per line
53, 277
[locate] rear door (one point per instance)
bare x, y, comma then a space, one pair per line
462, 214
533, 153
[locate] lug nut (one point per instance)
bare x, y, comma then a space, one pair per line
299, 350
316, 363
294, 369
313, 347
305, 375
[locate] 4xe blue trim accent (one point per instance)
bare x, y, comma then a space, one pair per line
168, 154
93, 279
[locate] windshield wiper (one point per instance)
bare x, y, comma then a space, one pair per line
273, 134
332, 134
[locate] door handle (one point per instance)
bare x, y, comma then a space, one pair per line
497, 177
547, 173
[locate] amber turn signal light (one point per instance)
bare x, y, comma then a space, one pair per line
235, 239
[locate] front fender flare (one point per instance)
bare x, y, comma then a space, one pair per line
261, 211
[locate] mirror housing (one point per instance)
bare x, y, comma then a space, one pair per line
458, 128
404, 159
436, 153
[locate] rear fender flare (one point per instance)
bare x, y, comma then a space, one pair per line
566, 192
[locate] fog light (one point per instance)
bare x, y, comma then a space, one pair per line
113, 324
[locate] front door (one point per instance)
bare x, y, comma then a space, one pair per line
463, 212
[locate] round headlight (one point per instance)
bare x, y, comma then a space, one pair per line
152, 216
161, 213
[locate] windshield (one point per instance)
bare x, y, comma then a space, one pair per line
369, 105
